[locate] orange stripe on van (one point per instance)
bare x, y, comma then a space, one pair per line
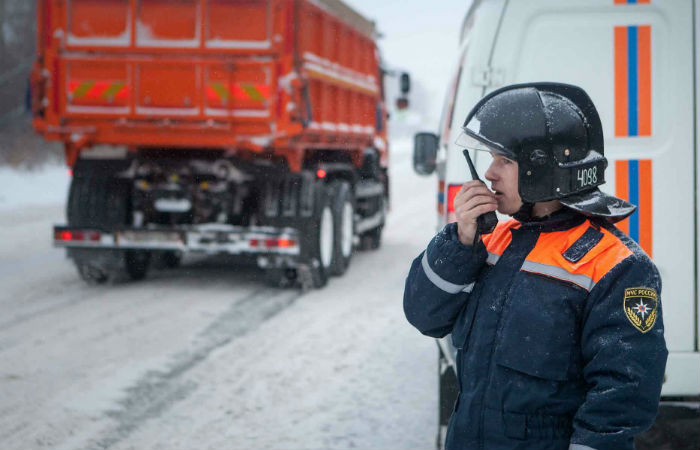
621, 81
500, 239
622, 190
609, 252
634, 183
645, 206
644, 79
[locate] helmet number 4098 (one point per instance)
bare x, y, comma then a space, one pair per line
587, 177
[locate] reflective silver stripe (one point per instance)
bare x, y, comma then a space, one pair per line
492, 258
446, 286
557, 272
580, 447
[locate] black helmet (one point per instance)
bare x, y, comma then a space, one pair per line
554, 133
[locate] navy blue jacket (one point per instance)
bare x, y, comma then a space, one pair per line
558, 328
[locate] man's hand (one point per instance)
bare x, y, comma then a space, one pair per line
472, 200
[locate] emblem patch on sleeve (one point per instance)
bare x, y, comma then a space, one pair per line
641, 305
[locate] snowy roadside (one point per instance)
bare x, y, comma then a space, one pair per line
339, 368
183, 360
43, 186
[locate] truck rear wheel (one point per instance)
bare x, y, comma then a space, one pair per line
372, 239
343, 207
90, 273
303, 202
317, 240
280, 277
99, 266
99, 199
168, 259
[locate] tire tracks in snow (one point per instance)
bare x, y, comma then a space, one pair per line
157, 390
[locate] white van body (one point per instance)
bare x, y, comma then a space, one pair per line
636, 59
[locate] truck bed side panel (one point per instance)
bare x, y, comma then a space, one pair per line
208, 73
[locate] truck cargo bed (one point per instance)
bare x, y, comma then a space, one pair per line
276, 75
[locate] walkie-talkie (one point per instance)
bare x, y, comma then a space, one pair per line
486, 222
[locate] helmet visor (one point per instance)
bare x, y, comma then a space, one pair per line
472, 140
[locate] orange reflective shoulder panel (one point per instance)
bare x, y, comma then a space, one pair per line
610, 252
547, 257
499, 240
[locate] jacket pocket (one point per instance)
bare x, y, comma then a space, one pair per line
540, 327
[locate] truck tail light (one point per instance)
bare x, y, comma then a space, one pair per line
281, 242
63, 236
285, 243
273, 243
73, 236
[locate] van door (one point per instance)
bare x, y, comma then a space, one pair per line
635, 60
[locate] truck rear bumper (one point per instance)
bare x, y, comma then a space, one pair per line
205, 238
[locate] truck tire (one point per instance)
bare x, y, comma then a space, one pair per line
343, 208
99, 199
90, 273
99, 266
317, 240
136, 264
280, 277
372, 239
170, 259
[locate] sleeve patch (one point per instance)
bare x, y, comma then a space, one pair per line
641, 306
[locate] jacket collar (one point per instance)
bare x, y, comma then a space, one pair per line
561, 219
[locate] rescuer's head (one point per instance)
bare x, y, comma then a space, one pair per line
553, 132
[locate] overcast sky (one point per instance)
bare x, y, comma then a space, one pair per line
421, 37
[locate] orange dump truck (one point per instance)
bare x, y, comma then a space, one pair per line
248, 127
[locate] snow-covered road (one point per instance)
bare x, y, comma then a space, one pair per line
205, 356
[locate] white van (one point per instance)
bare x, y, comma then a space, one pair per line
637, 61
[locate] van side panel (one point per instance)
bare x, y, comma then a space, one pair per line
636, 62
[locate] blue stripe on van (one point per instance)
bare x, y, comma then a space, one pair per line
634, 197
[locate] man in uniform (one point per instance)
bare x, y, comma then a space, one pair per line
555, 313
